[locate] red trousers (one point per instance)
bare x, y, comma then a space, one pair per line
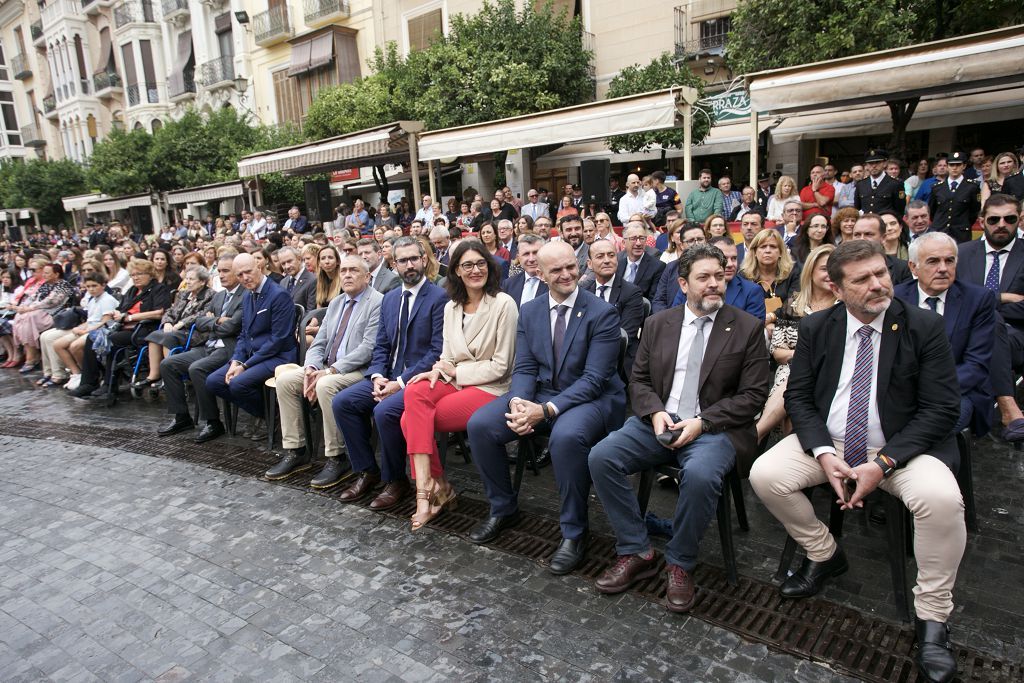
441, 409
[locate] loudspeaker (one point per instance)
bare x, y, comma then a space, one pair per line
595, 175
318, 201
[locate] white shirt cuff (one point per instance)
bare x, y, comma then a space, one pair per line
822, 450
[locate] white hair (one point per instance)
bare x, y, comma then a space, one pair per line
915, 245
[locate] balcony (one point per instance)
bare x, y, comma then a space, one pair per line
319, 12
19, 66
55, 11
182, 86
146, 93
174, 9
272, 26
714, 34
50, 106
133, 12
36, 29
91, 7
106, 84
218, 73
30, 137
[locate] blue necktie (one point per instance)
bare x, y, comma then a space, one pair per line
403, 324
855, 445
953, 185
631, 271
992, 279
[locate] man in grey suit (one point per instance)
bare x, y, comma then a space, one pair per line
298, 281
338, 358
570, 227
381, 279
220, 321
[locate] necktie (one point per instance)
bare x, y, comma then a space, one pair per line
933, 303
339, 334
291, 284
530, 290
371, 281
403, 323
992, 279
227, 302
601, 292
953, 185
874, 184
855, 448
691, 380
558, 339
631, 271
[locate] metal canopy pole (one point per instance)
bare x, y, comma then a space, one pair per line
753, 147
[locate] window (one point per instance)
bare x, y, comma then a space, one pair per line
424, 28
714, 32
222, 27
4, 73
286, 96
10, 118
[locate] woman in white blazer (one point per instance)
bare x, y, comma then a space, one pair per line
475, 366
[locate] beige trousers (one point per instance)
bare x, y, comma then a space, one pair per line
926, 486
290, 399
53, 366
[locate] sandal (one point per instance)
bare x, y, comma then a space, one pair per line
429, 495
42, 380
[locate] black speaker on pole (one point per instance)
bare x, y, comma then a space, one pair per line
595, 175
318, 200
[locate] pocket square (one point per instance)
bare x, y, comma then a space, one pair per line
262, 311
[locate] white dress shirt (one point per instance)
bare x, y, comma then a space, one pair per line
1002, 260
415, 289
686, 336
530, 286
553, 305
837, 413
922, 303
876, 180
608, 292
631, 204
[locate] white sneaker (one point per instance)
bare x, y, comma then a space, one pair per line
73, 383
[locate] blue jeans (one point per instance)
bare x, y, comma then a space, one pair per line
704, 462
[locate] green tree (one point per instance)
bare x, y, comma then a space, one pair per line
120, 163
197, 150
277, 188
31, 184
662, 72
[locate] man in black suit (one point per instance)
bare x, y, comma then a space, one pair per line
897, 437
614, 195
954, 204
638, 264
879, 192
997, 263
527, 285
764, 191
298, 281
918, 219
1014, 185
627, 298
870, 227
749, 204
507, 236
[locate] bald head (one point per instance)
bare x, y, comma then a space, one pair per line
558, 268
248, 272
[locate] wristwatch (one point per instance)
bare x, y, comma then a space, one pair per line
886, 463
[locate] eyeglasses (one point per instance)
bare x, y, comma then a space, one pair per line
638, 238
603, 220
470, 266
1010, 220
407, 260
694, 240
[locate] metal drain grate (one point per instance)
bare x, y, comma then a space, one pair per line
847, 640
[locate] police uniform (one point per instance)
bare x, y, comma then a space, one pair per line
954, 211
887, 197
763, 195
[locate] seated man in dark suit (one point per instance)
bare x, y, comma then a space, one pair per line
409, 341
625, 297
381, 279
565, 382
298, 281
527, 285
266, 340
220, 321
873, 400
870, 227
702, 375
969, 312
638, 264
1014, 186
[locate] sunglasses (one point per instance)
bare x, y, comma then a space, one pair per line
1010, 220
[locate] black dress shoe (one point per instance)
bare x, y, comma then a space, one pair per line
143, 383
84, 391
811, 576
934, 653
569, 555
211, 431
491, 528
177, 425
332, 474
294, 460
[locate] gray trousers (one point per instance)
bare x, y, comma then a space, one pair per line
198, 363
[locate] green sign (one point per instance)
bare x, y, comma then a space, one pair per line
730, 106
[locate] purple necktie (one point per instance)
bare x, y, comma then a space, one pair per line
855, 447
992, 278
340, 334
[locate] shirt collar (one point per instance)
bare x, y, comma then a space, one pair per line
611, 281
689, 316
357, 297
637, 262
989, 248
415, 289
852, 324
263, 283
878, 178
570, 300
922, 295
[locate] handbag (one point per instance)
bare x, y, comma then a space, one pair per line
68, 318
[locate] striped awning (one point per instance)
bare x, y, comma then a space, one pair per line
382, 145
206, 193
119, 203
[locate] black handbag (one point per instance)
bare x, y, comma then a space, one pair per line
68, 318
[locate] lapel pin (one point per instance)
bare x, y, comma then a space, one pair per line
895, 327
728, 329
579, 314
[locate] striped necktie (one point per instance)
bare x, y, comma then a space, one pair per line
855, 446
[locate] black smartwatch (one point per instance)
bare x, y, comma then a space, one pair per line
546, 411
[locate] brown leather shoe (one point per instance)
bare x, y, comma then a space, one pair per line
680, 593
627, 570
363, 484
393, 494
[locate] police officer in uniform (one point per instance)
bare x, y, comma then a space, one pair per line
764, 189
878, 192
955, 203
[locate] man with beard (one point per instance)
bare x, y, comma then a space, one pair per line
873, 400
704, 201
701, 376
570, 227
408, 342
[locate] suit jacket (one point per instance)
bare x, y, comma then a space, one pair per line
582, 257
955, 212
628, 301
423, 336
268, 326
734, 377
647, 275
482, 351
363, 323
1014, 185
970, 319
386, 280
299, 224
741, 293
226, 331
587, 372
917, 406
899, 271
304, 290
889, 196
973, 266
513, 286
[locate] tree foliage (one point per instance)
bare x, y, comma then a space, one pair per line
662, 72
40, 184
120, 163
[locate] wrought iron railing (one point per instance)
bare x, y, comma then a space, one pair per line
104, 80
218, 70
181, 83
134, 12
317, 9
271, 24
20, 67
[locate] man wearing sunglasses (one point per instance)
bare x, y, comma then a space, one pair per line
997, 263
954, 204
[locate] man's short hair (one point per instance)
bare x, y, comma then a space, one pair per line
288, 249
790, 202
659, 176
698, 252
703, 171
878, 221
915, 246
407, 241
355, 261
634, 224
1000, 199
530, 238
367, 242
439, 231
569, 218
851, 251
95, 276
915, 204
504, 223
721, 239
230, 257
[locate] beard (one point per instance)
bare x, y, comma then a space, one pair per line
708, 306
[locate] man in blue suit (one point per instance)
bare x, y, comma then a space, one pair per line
527, 285
970, 316
565, 382
409, 341
739, 291
266, 340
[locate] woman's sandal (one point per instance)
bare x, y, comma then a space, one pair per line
429, 495
42, 380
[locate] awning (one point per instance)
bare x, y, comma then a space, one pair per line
944, 67
79, 201
106, 51
206, 193
402, 178
321, 52
388, 144
184, 54
300, 58
119, 203
597, 120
